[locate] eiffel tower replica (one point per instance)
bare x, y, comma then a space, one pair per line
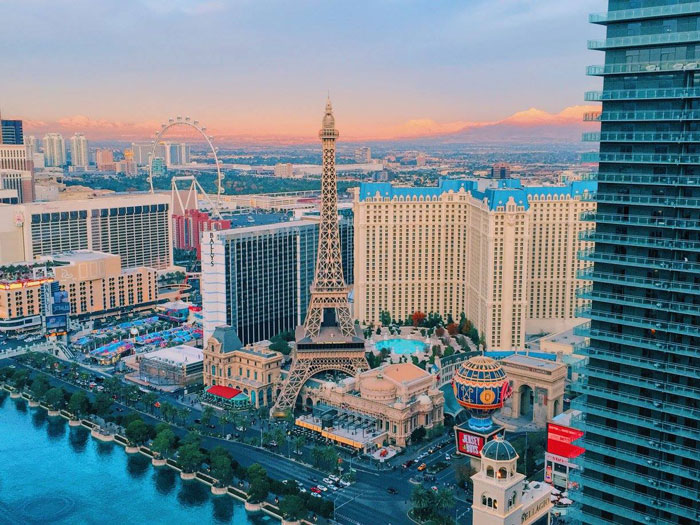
328, 339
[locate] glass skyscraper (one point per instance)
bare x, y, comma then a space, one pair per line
640, 391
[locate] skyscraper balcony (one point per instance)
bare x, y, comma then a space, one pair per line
648, 115
631, 240
583, 386
629, 198
641, 94
657, 385
623, 416
643, 262
643, 137
655, 502
679, 37
640, 158
638, 322
627, 68
588, 292
671, 488
640, 13
644, 178
632, 220
590, 274
616, 509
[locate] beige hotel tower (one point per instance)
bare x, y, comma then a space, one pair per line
504, 256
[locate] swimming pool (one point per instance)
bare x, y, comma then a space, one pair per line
400, 346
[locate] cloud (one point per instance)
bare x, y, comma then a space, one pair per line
186, 7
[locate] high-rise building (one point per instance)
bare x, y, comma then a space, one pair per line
284, 170
504, 257
16, 171
639, 390
363, 155
79, 151
104, 158
54, 150
32, 146
11, 132
176, 154
135, 227
142, 152
256, 279
500, 170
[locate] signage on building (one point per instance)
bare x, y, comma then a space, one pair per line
560, 441
56, 323
60, 308
469, 443
548, 474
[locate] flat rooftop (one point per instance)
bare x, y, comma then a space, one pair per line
532, 362
179, 354
81, 256
565, 337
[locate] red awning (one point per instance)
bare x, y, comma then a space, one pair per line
564, 450
223, 391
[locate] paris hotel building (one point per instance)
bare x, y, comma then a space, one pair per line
505, 256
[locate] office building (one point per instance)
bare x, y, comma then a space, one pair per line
257, 279
16, 171
639, 391
505, 256
363, 155
79, 151
54, 150
11, 132
500, 170
104, 158
253, 370
284, 170
134, 226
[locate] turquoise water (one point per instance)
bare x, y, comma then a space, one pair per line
401, 346
52, 473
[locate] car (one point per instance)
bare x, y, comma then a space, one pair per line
273, 443
408, 463
322, 488
315, 490
197, 421
314, 479
431, 450
315, 494
344, 483
434, 488
333, 477
302, 490
328, 481
392, 490
333, 487
448, 457
422, 467
211, 425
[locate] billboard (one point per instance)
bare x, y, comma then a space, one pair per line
560, 441
60, 297
469, 443
56, 323
60, 308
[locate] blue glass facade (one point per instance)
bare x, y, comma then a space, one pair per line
640, 391
11, 132
269, 271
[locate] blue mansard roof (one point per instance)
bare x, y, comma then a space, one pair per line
496, 196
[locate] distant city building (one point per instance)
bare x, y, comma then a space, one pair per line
500, 170
11, 132
16, 171
135, 227
104, 158
284, 170
142, 152
176, 154
257, 279
126, 167
399, 398
189, 227
421, 159
54, 150
158, 168
38, 160
254, 370
505, 257
363, 155
32, 145
79, 153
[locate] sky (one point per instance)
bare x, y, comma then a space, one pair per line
263, 68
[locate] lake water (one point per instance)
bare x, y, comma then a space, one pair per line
52, 473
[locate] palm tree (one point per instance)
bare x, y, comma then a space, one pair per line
421, 499
299, 443
444, 499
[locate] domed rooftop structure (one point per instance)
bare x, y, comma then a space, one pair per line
498, 449
481, 387
377, 389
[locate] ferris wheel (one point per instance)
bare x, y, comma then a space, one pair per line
195, 189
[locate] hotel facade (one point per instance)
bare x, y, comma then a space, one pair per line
504, 256
135, 227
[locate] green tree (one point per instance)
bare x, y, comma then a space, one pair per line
299, 443
418, 434
149, 400
19, 379
102, 404
385, 318
189, 457
192, 438
292, 508
256, 471
279, 344
137, 432
40, 386
207, 415
258, 491
421, 502
78, 404
164, 443
221, 467
444, 499
54, 398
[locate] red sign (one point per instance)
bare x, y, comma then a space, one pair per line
548, 474
468, 443
560, 439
